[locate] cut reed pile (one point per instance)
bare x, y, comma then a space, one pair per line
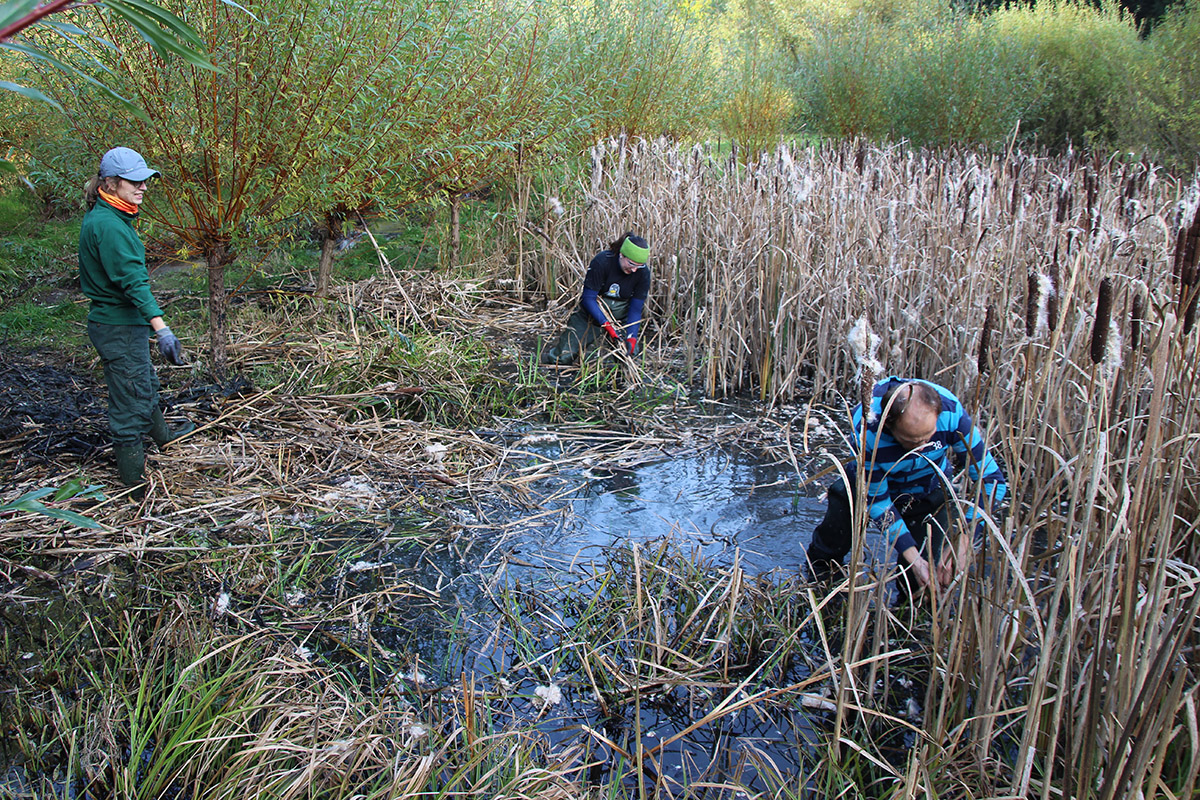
1057, 297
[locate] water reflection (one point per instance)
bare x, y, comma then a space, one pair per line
717, 502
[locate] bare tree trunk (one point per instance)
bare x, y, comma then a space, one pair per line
218, 309
455, 228
329, 233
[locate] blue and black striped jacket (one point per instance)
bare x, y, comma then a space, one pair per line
892, 470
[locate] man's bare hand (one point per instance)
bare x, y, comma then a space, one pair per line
954, 561
918, 565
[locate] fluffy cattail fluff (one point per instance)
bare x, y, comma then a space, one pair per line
1101, 325
985, 339
863, 345
1045, 301
1112, 351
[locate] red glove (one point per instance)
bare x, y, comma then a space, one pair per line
608, 326
632, 342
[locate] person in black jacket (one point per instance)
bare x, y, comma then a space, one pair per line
615, 289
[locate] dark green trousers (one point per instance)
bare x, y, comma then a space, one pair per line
132, 382
582, 333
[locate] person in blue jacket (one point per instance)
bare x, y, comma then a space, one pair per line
615, 289
914, 431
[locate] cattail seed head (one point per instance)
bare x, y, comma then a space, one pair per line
1136, 312
985, 339
1033, 301
1100, 325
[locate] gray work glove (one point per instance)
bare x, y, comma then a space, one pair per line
168, 345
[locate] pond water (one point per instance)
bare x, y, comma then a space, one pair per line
714, 504
717, 503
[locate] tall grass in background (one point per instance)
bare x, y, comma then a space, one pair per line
1068, 664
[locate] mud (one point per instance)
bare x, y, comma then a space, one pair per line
54, 413
48, 413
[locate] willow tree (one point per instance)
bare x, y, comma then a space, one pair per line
640, 67
162, 30
321, 107
471, 101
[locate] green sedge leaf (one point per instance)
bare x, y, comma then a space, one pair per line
33, 496
63, 514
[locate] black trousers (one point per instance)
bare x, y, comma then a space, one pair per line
926, 515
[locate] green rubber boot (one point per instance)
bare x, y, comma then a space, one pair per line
131, 467
162, 433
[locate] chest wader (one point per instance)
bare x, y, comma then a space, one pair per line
583, 333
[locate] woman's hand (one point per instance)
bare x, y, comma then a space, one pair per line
168, 345
918, 565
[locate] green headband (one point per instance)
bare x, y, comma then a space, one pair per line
638, 255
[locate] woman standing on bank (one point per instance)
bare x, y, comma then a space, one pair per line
615, 289
123, 314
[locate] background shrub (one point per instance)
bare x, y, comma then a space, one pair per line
1166, 117
1080, 62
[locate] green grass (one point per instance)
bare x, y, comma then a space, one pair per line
34, 254
28, 324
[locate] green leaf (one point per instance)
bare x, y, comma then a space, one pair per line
73, 72
165, 44
64, 27
36, 494
160, 16
75, 488
16, 9
29, 502
72, 517
31, 93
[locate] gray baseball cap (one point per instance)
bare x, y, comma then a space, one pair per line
125, 163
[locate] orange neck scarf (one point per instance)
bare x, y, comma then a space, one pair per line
118, 203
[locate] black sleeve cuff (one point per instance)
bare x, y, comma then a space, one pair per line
905, 541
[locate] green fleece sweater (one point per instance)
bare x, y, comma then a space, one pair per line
112, 268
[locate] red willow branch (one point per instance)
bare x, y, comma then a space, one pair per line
39, 14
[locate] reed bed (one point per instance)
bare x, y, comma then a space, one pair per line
1057, 297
